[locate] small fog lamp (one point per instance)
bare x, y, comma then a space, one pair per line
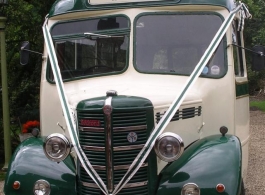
42, 187
169, 147
190, 189
56, 147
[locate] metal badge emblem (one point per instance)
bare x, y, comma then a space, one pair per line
107, 109
132, 137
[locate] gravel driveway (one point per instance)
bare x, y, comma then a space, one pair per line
256, 167
256, 171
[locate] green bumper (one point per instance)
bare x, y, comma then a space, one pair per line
30, 164
207, 162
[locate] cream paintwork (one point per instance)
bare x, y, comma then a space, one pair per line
216, 96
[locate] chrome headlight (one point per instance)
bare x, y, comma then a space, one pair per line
57, 147
169, 147
42, 187
190, 188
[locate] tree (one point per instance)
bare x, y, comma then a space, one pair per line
255, 35
24, 22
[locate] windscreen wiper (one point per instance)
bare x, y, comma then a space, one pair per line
94, 35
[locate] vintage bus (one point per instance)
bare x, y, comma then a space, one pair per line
139, 97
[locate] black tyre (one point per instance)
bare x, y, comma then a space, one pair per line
242, 190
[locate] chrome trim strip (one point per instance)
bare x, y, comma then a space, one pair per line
118, 148
131, 147
91, 185
93, 148
130, 128
99, 167
137, 184
128, 185
109, 166
92, 129
118, 167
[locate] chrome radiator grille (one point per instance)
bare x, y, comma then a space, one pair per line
93, 138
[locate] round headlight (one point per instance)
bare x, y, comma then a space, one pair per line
190, 188
169, 147
56, 147
42, 187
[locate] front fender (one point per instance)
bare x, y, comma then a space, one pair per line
30, 164
207, 162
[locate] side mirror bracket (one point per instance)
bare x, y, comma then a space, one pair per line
24, 53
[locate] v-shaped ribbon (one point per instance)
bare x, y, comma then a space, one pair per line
69, 116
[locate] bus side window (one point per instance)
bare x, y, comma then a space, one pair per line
238, 52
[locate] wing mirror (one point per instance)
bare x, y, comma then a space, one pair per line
258, 62
24, 53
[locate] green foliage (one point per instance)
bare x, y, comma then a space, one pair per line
255, 35
258, 104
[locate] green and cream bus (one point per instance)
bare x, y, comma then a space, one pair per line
139, 97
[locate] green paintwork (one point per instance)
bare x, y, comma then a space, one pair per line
30, 164
242, 89
207, 162
118, 102
69, 6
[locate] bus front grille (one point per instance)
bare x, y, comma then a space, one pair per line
92, 137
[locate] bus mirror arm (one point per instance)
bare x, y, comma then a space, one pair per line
31, 51
24, 52
258, 54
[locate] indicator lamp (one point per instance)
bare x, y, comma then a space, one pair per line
16, 185
220, 188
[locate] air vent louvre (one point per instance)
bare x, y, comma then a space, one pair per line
185, 113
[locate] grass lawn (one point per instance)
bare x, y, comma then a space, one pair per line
258, 104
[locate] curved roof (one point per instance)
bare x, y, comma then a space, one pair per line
69, 6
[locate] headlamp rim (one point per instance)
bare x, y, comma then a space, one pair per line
65, 140
190, 184
43, 181
181, 144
